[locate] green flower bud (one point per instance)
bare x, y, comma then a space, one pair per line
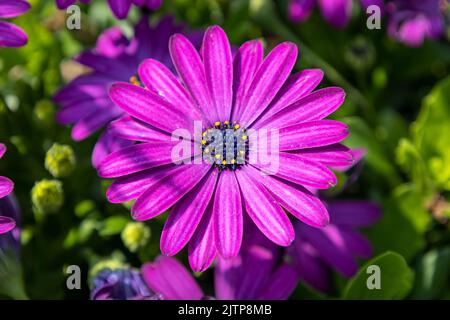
60, 160
360, 55
47, 196
135, 235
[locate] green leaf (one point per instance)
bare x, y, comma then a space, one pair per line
396, 279
403, 224
113, 225
432, 275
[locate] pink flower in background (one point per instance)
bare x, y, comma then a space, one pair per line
210, 200
85, 101
11, 35
6, 186
120, 8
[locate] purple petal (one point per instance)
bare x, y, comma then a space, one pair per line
186, 215
227, 274
336, 12
302, 171
77, 110
170, 278
120, 8
314, 106
105, 145
354, 213
136, 158
264, 210
63, 4
134, 130
296, 87
191, 70
115, 68
297, 200
144, 104
281, 284
166, 192
6, 187
357, 244
12, 9
267, 81
300, 10
218, 70
112, 42
2, 150
133, 186
6, 224
11, 35
85, 87
228, 218
93, 122
333, 155
158, 78
312, 134
246, 62
202, 249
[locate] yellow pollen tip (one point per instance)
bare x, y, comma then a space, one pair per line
233, 161
134, 80
203, 142
244, 138
226, 122
236, 126
206, 150
217, 156
224, 162
242, 152
217, 123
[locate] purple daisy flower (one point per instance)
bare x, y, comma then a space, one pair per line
412, 21
121, 284
85, 100
11, 35
243, 94
318, 250
120, 8
336, 12
7, 223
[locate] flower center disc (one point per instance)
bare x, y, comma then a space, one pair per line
225, 145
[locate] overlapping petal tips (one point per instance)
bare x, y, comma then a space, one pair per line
6, 186
228, 216
202, 249
314, 106
226, 278
336, 12
2, 150
170, 278
281, 284
300, 10
159, 79
218, 63
191, 70
144, 104
245, 64
120, 8
335, 155
312, 134
11, 35
12, 9
107, 144
136, 158
268, 80
354, 213
186, 215
6, 224
296, 87
167, 191
297, 200
264, 210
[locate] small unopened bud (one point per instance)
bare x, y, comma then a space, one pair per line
60, 160
47, 196
360, 55
135, 235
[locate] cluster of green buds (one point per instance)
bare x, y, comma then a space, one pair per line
47, 196
60, 160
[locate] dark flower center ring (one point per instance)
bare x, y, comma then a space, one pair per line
225, 145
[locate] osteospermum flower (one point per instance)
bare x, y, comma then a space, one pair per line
336, 12
120, 8
85, 102
7, 223
413, 21
10, 34
232, 98
316, 251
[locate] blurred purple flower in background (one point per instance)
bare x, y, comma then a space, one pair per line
7, 222
85, 101
413, 21
318, 250
120, 8
120, 284
247, 93
11, 35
